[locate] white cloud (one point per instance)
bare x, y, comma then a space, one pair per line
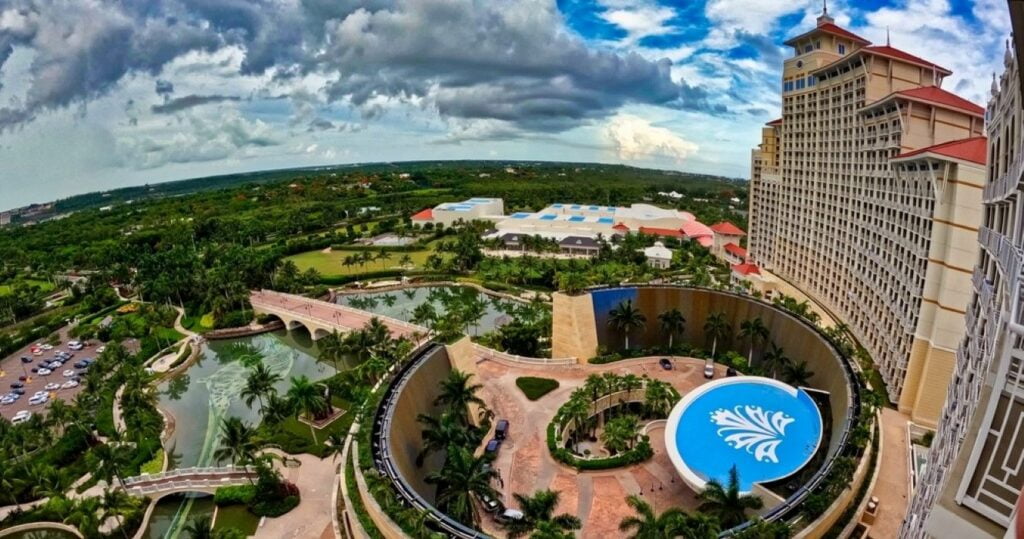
634, 138
638, 19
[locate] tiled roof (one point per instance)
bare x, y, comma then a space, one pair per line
668, 232
892, 52
697, 229
937, 95
579, 241
732, 248
833, 29
775, 122
973, 149
425, 215
726, 228
620, 226
746, 269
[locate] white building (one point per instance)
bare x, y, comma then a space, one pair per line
658, 256
558, 221
447, 214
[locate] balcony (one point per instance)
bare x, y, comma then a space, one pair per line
1006, 184
1006, 254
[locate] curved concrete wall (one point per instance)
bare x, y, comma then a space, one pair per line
800, 341
417, 397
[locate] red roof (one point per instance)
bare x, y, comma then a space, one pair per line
973, 149
775, 122
425, 215
746, 269
892, 52
934, 94
726, 228
620, 226
669, 232
734, 249
830, 28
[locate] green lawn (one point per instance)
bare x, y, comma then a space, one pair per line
329, 264
535, 388
43, 285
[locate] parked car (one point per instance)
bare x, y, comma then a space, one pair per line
23, 378
17, 385
509, 515
665, 363
38, 399
7, 400
492, 447
709, 371
731, 372
69, 373
52, 386
490, 504
47, 347
21, 417
44, 372
80, 365
501, 430
75, 345
26, 359
18, 391
69, 384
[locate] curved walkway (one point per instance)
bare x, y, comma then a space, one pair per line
598, 498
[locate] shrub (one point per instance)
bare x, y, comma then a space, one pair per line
274, 507
534, 387
241, 494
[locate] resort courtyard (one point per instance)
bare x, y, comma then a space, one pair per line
598, 498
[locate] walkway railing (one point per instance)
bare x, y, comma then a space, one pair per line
491, 353
302, 301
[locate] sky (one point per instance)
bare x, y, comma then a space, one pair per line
100, 94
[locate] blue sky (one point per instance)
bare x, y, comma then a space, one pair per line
97, 94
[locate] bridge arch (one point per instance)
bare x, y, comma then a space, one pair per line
320, 333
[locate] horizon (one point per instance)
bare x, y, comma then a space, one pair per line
234, 90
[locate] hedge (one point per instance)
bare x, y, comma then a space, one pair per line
640, 453
241, 494
534, 387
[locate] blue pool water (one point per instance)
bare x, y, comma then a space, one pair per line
765, 428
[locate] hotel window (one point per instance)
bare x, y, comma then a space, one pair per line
809, 48
811, 81
799, 84
842, 48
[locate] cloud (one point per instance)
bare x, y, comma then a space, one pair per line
634, 138
179, 104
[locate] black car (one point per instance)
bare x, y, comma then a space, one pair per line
501, 431
665, 363
18, 391
730, 372
492, 447
17, 385
80, 365
26, 359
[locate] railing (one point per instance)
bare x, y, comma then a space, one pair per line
296, 312
1005, 184
1003, 250
198, 470
491, 353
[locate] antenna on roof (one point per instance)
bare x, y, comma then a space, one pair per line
888, 42
824, 18
824, 7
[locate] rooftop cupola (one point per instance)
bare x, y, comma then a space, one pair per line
1008, 55
825, 18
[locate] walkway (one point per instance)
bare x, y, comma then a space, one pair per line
893, 475
321, 317
312, 517
187, 480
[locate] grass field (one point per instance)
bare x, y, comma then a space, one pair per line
329, 264
45, 286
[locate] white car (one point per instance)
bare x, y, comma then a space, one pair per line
52, 386
38, 399
75, 345
21, 417
44, 372
69, 373
8, 400
47, 347
69, 384
101, 349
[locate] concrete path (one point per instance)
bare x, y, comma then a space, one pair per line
893, 475
312, 517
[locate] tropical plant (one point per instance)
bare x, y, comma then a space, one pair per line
259, 384
672, 523
200, 527
775, 360
796, 374
715, 328
658, 398
457, 394
625, 318
237, 442
726, 503
462, 477
620, 433
439, 433
114, 503
672, 322
753, 331
538, 515
335, 443
306, 397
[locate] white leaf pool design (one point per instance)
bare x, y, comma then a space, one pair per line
753, 429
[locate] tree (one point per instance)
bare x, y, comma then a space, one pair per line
572, 282
716, 327
796, 374
106, 463
538, 515
625, 318
753, 331
200, 527
332, 348
762, 529
114, 502
775, 360
463, 477
259, 384
405, 261
658, 398
335, 443
576, 411
439, 433
457, 394
649, 525
276, 410
620, 433
307, 398
672, 322
237, 442
725, 502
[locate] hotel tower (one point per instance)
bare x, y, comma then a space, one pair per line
866, 196
975, 470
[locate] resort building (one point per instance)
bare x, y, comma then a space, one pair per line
449, 213
973, 477
658, 256
579, 245
868, 199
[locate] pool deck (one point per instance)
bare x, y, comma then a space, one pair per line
598, 498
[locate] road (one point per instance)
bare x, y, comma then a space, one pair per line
11, 368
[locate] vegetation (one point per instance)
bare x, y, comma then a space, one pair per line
671, 523
725, 503
534, 387
539, 516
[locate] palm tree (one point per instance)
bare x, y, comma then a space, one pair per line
658, 398
572, 282
458, 394
463, 477
405, 261
258, 384
200, 527
307, 398
10, 484
577, 411
276, 410
538, 516
672, 322
335, 443
753, 331
114, 502
649, 525
715, 327
237, 443
107, 463
620, 433
726, 503
332, 347
439, 433
796, 374
775, 359
626, 318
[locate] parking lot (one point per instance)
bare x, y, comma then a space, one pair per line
11, 368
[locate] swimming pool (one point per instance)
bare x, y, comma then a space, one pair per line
766, 428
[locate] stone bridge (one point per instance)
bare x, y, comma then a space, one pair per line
321, 318
206, 480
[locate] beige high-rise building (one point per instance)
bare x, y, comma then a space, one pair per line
975, 468
868, 199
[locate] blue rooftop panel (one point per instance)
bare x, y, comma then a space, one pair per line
594, 208
548, 217
605, 220
556, 205
520, 215
575, 206
576, 218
